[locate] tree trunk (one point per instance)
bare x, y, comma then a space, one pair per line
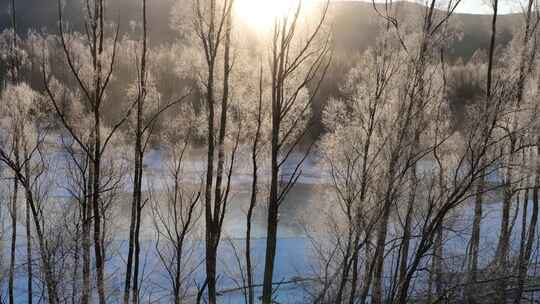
133, 220
354, 276
249, 266
378, 270
215, 212
271, 231
178, 271
75, 293
504, 239
253, 199
210, 232
438, 261
368, 270
96, 209
47, 266
86, 243
210, 229
13, 241
273, 207
346, 265
137, 253
29, 285
475, 242
531, 233
29, 282
404, 248
134, 229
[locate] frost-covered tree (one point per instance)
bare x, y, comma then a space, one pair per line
395, 117
298, 53
22, 146
90, 62
208, 26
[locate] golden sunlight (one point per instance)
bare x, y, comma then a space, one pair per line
260, 14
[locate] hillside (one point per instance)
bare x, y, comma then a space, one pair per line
354, 22
354, 29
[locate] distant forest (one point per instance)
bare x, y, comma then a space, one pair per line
355, 29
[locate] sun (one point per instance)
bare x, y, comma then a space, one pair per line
261, 14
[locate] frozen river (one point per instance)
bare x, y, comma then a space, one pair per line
305, 206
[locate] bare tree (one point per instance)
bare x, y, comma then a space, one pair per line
294, 65
14, 68
177, 211
21, 118
213, 28
352, 149
91, 71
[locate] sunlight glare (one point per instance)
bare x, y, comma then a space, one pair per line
260, 14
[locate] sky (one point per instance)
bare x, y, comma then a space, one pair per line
466, 6
482, 7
